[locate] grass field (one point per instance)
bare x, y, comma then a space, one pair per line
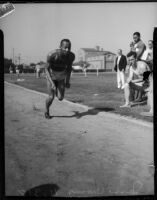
99, 92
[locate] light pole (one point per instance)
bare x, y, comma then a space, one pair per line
13, 55
19, 58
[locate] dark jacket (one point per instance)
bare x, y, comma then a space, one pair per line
122, 63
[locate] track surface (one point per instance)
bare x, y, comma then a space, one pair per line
83, 151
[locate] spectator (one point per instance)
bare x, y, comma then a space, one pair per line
11, 69
120, 66
137, 46
37, 67
149, 60
17, 71
148, 55
137, 68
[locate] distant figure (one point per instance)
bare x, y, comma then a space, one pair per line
137, 68
137, 46
37, 68
11, 69
58, 71
17, 71
120, 66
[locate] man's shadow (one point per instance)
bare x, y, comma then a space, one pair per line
92, 111
45, 190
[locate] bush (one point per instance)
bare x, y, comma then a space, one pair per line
28, 70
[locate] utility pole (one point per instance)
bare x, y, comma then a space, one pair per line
105, 62
13, 56
19, 58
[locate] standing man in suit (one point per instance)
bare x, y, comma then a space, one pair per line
120, 66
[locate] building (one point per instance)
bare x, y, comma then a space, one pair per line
97, 58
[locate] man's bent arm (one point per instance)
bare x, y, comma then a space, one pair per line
141, 50
137, 80
69, 69
130, 78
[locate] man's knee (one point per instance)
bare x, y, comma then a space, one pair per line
60, 97
61, 91
50, 97
126, 86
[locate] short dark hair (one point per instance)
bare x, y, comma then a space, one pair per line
132, 53
150, 41
137, 33
65, 40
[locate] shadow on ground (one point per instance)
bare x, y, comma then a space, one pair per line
92, 111
46, 190
139, 103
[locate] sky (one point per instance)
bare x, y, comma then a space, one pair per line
33, 30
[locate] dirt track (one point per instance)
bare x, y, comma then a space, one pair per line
84, 152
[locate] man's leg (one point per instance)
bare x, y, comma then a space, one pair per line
17, 74
127, 96
139, 96
49, 100
61, 90
150, 101
37, 74
122, 78
150, 104
118, 79
139, 89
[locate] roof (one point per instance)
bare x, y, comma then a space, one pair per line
93, 50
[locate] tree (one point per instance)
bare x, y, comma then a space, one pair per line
32, 65
41, 63
7, 64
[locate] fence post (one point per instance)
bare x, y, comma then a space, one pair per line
85, 72
97, 71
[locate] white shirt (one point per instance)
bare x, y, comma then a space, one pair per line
118, 60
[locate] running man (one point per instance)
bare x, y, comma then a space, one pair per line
58, 71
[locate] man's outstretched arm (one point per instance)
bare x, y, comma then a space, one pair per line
69, 69
67, 82
47, 71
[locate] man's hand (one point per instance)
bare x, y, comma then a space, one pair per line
128, 80
67, 85
53, 87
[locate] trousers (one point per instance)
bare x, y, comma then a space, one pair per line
120, 78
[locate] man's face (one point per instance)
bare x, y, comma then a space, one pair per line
65, 46
132, 60
119, 52
136, 38
150, 45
